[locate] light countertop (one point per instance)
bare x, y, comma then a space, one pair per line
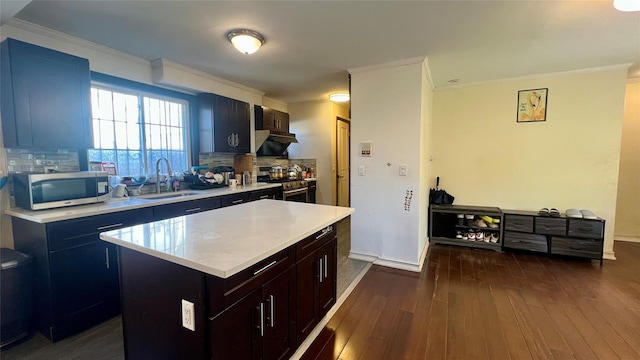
223, 242
130, 203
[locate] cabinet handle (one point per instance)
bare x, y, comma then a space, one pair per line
272, 311
237, 201
192, 210
325, 266
261, 319
109, 226
264, 268
264, 197
106, 255
320, 270
325, 231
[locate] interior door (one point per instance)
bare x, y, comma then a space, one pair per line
343, 163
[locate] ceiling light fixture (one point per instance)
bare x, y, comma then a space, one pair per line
246, 41
339, 97
627, 5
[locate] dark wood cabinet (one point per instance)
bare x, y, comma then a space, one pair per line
527, 230
166, 211
235, 199
312, 191
224, 124
45, 97
272, 193
270, 119
316, 271
262, 323
76, 282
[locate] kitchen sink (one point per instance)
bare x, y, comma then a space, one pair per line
167, 196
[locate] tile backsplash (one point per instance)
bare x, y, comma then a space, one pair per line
39, 160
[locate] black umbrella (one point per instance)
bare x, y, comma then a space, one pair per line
440, 197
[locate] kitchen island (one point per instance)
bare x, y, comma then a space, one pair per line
248, 281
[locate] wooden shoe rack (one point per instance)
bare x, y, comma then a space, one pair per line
444, 225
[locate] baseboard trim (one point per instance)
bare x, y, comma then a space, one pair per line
609, 255
626, 238
389, 263
325, 320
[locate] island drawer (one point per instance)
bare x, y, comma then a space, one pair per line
68, 233
522, 241
593, 229
225, 292
522, 223
588, 248
551, 226
315, 241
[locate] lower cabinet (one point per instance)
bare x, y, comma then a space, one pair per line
316, 271
235, 199
167, 211
273, 193
259, 326
76, 282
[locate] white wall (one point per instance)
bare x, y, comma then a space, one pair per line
311, 122
570, 161
387, 109
628, 204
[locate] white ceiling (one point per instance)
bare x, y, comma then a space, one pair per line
311, 44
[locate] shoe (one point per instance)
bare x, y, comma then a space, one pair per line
479, 236
460, 218
480, 223
487, 219
543, 212
555, 212
494, 238
574, 213
487, 237
471, 235
459, 235
465, 236
588, 214
494, 226
469, 220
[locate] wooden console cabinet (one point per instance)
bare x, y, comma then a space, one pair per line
526, 230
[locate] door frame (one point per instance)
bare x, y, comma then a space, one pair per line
337, 178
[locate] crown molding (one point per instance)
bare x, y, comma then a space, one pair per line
73, 40
273, 101
536, 76
387, 65
164, 63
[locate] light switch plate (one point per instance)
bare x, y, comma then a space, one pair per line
403, 169
361, 170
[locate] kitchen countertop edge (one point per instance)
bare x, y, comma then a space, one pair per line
131, 203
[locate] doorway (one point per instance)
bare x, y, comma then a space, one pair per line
343, 161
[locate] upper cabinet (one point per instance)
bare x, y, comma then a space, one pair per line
224, 124
270, 119
45, 97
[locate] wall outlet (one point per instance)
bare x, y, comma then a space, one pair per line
361, 170
403, 169
188, 315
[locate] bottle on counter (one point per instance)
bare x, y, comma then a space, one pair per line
246, 178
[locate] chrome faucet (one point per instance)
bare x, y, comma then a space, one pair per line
158, 172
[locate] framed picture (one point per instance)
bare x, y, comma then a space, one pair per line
532, 105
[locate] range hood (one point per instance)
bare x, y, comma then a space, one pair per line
272, 143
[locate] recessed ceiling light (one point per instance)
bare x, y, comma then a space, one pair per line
453, 81
339, 97
246, 41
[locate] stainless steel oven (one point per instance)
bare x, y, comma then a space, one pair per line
299, 195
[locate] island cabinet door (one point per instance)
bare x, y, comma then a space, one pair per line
307, 295
260, 325
327, 256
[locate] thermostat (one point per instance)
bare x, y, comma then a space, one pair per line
365, 148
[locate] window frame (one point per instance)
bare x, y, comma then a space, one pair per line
141, 90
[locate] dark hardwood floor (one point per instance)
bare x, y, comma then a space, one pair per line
479, 304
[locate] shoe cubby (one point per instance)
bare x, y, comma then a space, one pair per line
461, 225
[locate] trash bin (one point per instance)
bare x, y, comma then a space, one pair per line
15, 296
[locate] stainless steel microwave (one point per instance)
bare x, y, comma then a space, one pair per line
54, 190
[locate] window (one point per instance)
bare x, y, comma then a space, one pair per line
134, 129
